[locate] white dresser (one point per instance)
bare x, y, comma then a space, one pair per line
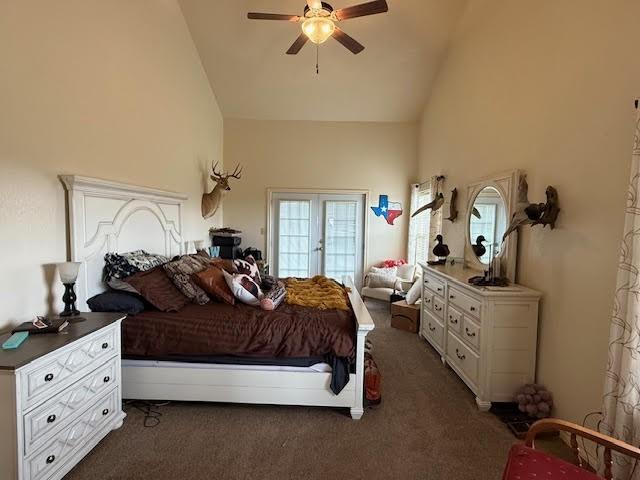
60, 394
488, 336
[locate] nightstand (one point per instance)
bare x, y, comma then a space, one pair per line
60, 394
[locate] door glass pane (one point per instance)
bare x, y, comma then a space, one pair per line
293, 238
340, 238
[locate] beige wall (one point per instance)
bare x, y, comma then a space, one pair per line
109, 89
379, 157
548, 87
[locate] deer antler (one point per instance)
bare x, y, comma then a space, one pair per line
213, 168
236, 173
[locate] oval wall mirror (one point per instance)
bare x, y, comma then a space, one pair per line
487, 224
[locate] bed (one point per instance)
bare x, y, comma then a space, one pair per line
107, 216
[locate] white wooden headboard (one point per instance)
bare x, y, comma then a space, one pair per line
107, 216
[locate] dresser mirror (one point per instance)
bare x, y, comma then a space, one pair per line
487, 224
490, 204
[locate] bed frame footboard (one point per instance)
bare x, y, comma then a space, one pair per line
364, 326
156, 380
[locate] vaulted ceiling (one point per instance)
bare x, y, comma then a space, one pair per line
252, 77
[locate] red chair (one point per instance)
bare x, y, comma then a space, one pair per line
526, 463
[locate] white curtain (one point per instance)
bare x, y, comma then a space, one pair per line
621, 405
413, 225
424, 227
435, 224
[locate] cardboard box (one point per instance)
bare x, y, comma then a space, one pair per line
405, 317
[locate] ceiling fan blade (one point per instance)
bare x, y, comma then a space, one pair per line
272, 16
370, 8
298, 44
349, 42
317, 4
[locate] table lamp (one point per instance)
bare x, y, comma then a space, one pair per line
68, 274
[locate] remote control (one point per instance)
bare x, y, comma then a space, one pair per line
15, 340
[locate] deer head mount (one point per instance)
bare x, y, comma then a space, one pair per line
211, 201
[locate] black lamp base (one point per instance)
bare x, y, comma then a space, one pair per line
69, 299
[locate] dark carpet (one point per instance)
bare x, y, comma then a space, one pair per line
427, 427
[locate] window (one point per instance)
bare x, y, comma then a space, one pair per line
419, 226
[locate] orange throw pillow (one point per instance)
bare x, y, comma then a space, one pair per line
213, 282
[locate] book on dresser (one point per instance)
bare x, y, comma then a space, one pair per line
60, 394
488, 336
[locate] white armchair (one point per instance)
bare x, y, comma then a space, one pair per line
401, 282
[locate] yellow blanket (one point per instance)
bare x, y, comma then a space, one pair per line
317, 292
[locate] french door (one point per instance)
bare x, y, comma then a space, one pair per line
317, 234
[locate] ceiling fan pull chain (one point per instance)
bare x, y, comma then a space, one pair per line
317, 59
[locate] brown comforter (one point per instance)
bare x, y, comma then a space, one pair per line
220, 329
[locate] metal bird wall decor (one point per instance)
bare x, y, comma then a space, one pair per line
453, 206
533, 213
434, 205
438, 199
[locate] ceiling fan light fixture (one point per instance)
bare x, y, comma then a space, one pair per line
318, 29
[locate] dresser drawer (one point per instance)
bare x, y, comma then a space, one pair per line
468, 305
454, 319
438, 307
61, 448
45, 378
43, 421
435, 285
427, 300
471, 333
463, 357
433, 330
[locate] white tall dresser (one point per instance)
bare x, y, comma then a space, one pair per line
60, 394
487, 335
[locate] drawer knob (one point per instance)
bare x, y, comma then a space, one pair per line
432, 328
439, 289
461, 356
470, 334
48, 377
51, 418
105, 411
452, 297
51, 458
453, 320
106, 379
105, 345
473, 309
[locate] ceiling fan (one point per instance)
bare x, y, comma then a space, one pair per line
319, 22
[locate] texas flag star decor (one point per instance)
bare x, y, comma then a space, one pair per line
388, 210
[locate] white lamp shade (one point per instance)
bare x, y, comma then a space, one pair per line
68, 271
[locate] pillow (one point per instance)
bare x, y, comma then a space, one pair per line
388, 271
157, 289
224, 264
406, 271
144, 261
122, 265
378, 280
244, 288
116, 302
180, 272
117, 284
248, 266
213, 282
274, 297
414, 293
116, 266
